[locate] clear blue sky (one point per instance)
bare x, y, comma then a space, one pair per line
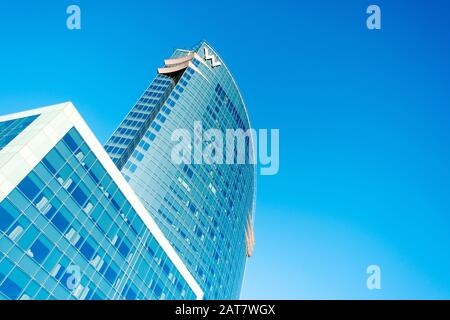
363, 115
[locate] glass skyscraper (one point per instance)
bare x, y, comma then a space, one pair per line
205, 210
70, 225
79, 221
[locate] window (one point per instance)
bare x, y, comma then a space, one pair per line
60, 222
196, 62
79, 196
54, 160
40, 249
28, 237
156, 289
111, 274
133, 167
124, 249
87, 250
49, 165
166, 110
166, 269
137, 155
28, 188
50, 212
12, 128
70, 142
105, 222
161, 118
156, 126
52, 259
10, 289
171, 102
144, 145
5, 218
129, 291
13, 285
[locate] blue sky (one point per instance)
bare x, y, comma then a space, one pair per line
363, 115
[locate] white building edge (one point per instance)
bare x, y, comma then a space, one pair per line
19, 157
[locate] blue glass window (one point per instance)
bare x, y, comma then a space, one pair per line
60, 222
87, 250
111, 275
10, 289
28, 237
156, 289
79, 196
131, 295
70, 142
196, 62
124, 249
40, 250
133, 167
171, 102
5, 219
12, 128
28, 188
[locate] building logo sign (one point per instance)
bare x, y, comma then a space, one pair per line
209, 56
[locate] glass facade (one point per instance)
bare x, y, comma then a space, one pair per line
202, 209
68, 232
136, 123
12, 128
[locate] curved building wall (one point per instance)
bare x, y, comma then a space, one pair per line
202, 209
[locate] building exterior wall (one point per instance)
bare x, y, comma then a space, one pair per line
203, 209
72, 228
